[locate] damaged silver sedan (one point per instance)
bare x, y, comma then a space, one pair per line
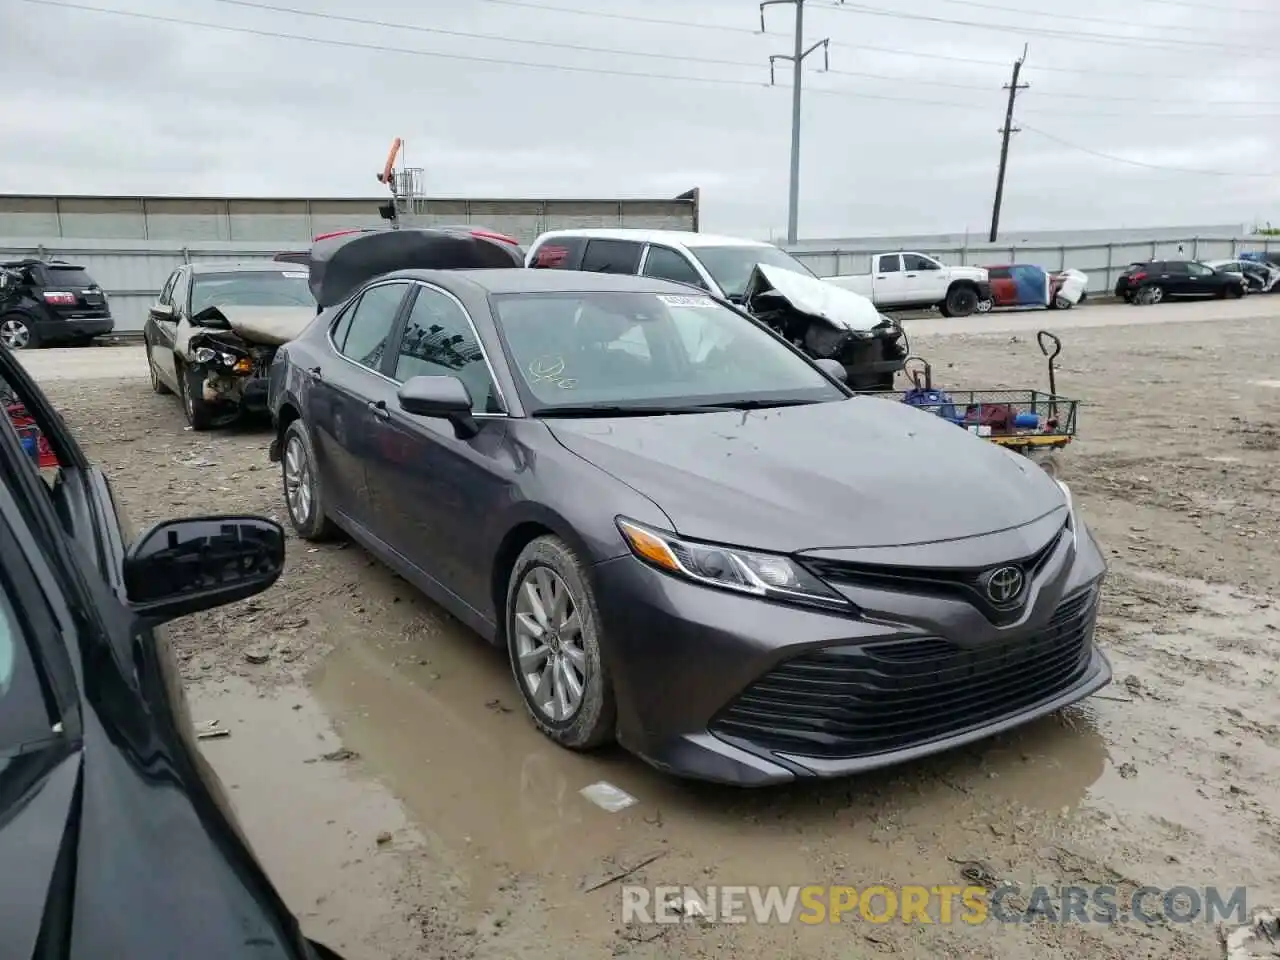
213, 332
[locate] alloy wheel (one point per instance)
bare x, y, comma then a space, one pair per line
14, 334
298, 491
549, 645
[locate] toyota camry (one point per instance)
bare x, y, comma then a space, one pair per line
686, 535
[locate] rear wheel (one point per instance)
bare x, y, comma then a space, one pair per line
1062, 303
16, 333
1149, 294
554, 643
1047, 460
303, 495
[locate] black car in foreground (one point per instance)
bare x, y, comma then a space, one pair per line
687, 535
116, 838
1156, 280
50, 302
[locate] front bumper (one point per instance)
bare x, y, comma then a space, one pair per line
718, 686
56, 331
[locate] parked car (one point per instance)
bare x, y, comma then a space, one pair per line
914, 281
1258, 276
212, 333
116, 837
1262, 256
1026, 285
51, 302
1154, 280
466, 231
828, 322
686, 534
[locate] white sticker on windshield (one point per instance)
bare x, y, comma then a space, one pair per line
680, 300
298, 276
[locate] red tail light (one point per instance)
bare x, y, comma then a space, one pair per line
490, 235
60, 298
1137, 277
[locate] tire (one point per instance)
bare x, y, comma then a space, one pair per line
298, 472
201, 414
1047, 460
1062, 303
1235, 292
961, 301
157, 385
1149, 295
16, 332
549, 568
986, 306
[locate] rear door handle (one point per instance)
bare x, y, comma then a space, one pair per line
379, 409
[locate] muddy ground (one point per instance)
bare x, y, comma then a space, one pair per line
381, 762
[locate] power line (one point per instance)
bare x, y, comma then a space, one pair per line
712, 61
1140, 163
889, 51
1078, 18
1208, 8
610, 71
1072, 35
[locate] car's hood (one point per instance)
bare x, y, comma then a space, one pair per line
865, 472
839, 307
969, 273
269, 326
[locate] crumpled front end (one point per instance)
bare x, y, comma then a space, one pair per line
229, 371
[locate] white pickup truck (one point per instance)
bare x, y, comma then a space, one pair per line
913, 281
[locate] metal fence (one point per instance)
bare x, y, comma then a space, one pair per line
1103, 262
132, 273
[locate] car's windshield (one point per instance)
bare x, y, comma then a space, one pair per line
251, 288
649, 350
730, 267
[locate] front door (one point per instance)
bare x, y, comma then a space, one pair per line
162, 324
924, 279
341, 395
432, 489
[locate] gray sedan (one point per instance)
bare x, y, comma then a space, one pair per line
687, 536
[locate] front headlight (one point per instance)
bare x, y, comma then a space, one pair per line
1071, 512
766, 575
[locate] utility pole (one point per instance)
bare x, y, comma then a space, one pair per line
797, 73
1007, 130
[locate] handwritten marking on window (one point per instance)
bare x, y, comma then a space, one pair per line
551, 370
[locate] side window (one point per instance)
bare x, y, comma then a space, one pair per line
166, 295
889, 263
365, 340
558, 253
1199, 270
998, 273
439, 341
181, 288
611, 256
913, 261
667, 264
1177, 268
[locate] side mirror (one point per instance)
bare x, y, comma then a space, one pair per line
833, 368
444, 397
162, 311
185, 566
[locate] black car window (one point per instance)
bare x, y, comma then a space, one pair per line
611, 256
890, 263
166, 295
67, 277
557, 253
25, 714
439, 341
365, 340
668, 264
913, 261
182, 290
1199, 270
998, 273
1176, 267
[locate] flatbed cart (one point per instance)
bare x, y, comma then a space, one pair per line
1033, 423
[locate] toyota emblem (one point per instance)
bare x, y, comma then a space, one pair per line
1004, 584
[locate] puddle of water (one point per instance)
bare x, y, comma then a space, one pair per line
314, 827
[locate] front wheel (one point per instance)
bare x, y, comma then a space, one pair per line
961, 301
157, 385
554, 644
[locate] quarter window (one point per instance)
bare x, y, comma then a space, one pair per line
365, 339
439, 341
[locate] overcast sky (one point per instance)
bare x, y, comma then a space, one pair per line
98, 103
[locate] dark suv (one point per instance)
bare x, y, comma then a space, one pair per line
51, 302
1155, 280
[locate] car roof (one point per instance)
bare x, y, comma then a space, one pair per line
523, 280
675, 238
246, 266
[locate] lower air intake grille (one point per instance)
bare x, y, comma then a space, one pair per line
860, 701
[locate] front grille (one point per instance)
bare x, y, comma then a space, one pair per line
860, 701
962, 582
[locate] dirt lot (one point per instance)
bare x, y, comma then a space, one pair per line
408, 809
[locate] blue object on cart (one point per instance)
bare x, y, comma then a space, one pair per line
935, 401
1027, 421
31, 444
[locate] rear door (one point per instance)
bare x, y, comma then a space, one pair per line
70, 293
1003, 290
889, 285
1176, 278
612, 256
344, 394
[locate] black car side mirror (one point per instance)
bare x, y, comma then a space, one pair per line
184, 566
445, 397
833, 368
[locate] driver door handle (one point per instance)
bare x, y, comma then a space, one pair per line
379, 409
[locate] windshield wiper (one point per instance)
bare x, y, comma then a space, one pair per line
765, 404
621, 410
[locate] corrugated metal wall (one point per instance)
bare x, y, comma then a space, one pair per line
130, 245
